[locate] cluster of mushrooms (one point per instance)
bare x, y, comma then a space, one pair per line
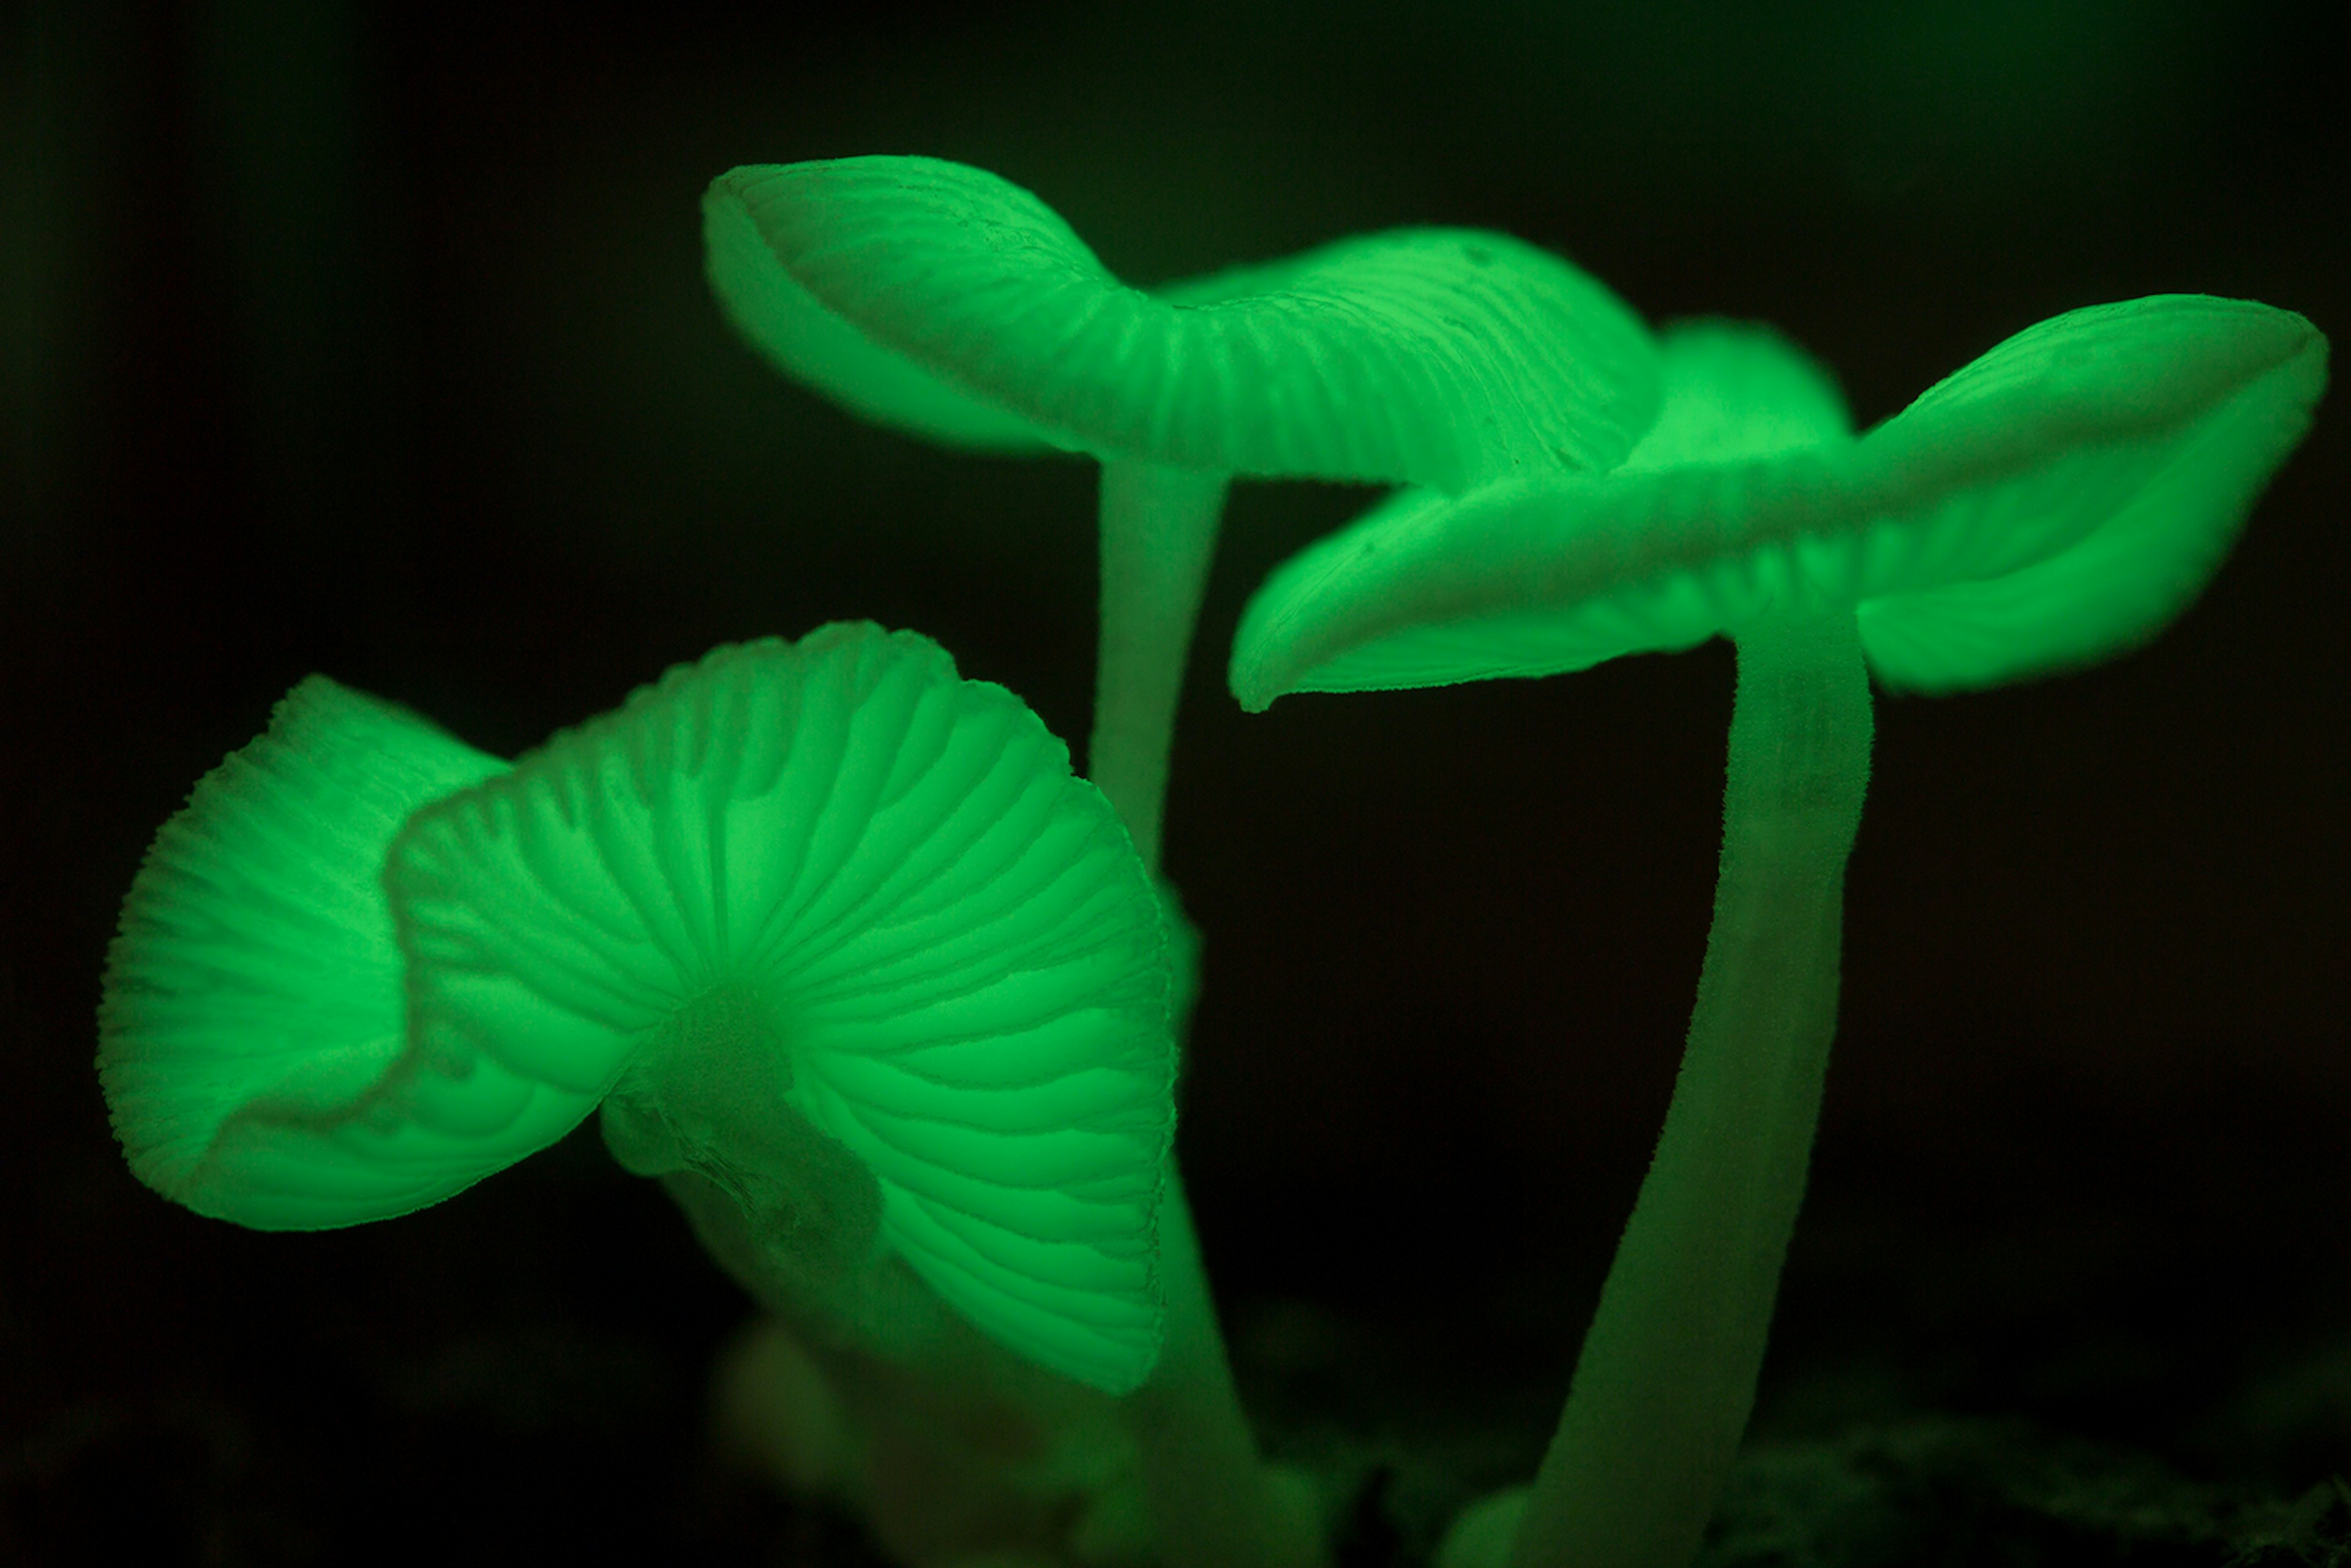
889, 998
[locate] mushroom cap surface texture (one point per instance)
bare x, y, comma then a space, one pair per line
253, 1037
944, 300
836, 930
2055, 502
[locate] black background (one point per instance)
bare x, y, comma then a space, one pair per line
372, 339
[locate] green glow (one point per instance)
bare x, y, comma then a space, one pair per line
1158, 538
2055, 503
943, 300
2121, 449
1667, 1377
1734, 391
252, 1033
948, 302
800, 336
835, 931
889, 1000
841, 934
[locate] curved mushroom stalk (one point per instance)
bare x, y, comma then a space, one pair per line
1667, 1373
949, 303
2055, 502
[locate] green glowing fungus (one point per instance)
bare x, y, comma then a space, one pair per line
945, 301
252, 1038
828, 931
2055, 502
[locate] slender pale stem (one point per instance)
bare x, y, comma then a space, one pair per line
1213, 1503
1662, 1391
1158, 535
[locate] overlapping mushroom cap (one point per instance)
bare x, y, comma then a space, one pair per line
834, 929
944, 300
253, 1039
2055, 502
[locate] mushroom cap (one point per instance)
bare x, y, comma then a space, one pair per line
843, 938
836, 931
252, 1034
2055, 503
944, 300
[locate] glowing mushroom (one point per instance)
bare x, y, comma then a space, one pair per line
945, 301
253, 1039
2055, 503
834, 936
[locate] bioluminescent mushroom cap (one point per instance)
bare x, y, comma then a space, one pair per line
836, 930
944, 300
850, 943
252, 1038
2055, 502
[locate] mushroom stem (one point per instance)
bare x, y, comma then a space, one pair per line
1662, 1391
1213, 1503
1158, 535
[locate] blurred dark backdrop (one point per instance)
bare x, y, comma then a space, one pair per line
371, 338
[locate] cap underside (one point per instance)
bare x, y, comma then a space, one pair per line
946, 300
2055, 503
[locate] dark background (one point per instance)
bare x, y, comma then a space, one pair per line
372, 339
